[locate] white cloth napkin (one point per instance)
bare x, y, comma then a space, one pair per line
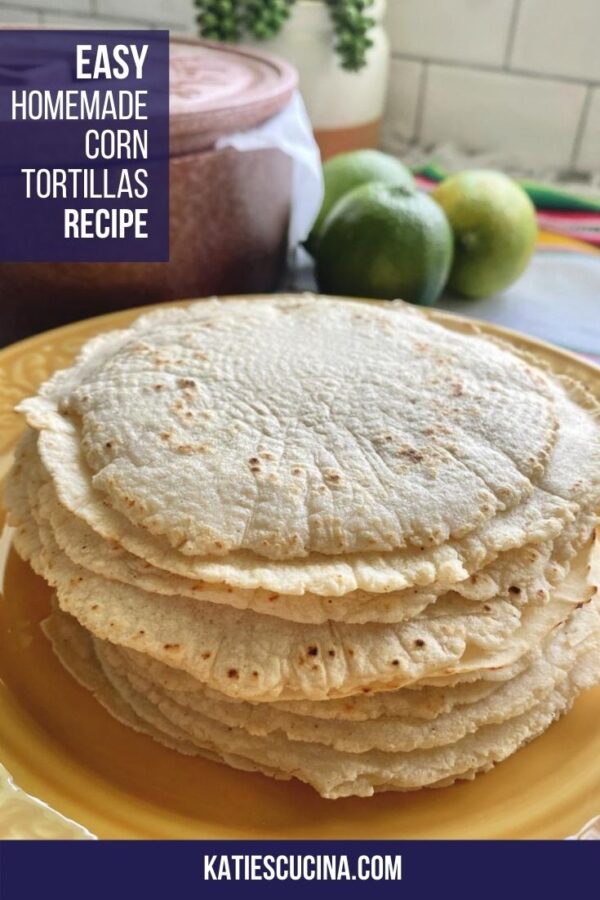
290, 131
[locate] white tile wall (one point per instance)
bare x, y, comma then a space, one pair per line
176, 11
84, 6
588, 157
13, 15
505, 76
401, 115
178, 15
558, 37
515, 116
467, 31
58, 19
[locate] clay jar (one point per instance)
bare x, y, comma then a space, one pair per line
229, 210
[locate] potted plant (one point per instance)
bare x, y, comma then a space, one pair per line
339, 47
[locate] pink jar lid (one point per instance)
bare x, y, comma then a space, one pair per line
217, 89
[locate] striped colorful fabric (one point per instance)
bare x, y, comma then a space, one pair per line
566, 220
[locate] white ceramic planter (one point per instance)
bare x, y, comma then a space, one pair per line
345, 108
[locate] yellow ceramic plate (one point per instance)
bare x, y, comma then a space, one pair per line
60, 746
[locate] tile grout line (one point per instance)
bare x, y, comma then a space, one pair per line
494, 70
581, 126
512, 33
13, 7
93, 13
420, 110
47, 17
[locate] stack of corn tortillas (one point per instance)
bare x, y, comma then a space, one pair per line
317, 538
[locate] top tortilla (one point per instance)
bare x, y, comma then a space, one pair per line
292, 426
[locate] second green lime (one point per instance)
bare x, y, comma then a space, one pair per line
347, 171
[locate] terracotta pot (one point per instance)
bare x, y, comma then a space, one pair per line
229, 211
345, 108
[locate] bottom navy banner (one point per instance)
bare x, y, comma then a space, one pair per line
413, 869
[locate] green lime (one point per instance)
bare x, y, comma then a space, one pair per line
495, 230
349, 170
387, 242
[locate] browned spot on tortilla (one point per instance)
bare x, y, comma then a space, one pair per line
410, 454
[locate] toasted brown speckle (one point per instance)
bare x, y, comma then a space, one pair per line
410, 454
